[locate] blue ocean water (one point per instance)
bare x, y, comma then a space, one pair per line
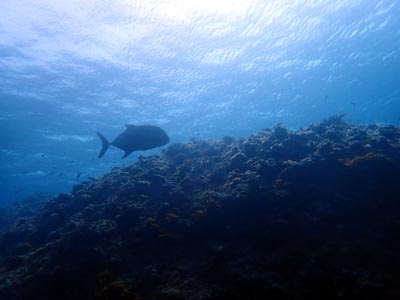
199, 69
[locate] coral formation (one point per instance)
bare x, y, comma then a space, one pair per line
19, 211
307, 214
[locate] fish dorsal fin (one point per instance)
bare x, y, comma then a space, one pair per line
126, 154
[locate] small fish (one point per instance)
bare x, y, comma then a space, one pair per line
353, 103
78, 174
196, 137
60, 174
38, 173
135, 137
18, 191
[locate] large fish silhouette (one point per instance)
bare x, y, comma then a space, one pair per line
136, 137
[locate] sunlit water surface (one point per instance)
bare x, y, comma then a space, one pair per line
199, 69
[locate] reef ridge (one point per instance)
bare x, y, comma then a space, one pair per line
306, 214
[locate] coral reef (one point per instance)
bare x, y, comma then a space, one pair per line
20, 210
307, 214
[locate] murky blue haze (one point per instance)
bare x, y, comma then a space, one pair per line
199, 69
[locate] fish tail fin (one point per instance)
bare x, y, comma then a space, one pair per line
105, 144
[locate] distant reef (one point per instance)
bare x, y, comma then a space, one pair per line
20, 210
307, 214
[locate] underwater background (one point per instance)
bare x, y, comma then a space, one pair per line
274, 162
199, 69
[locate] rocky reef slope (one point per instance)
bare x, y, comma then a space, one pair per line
309, 214
22, 209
